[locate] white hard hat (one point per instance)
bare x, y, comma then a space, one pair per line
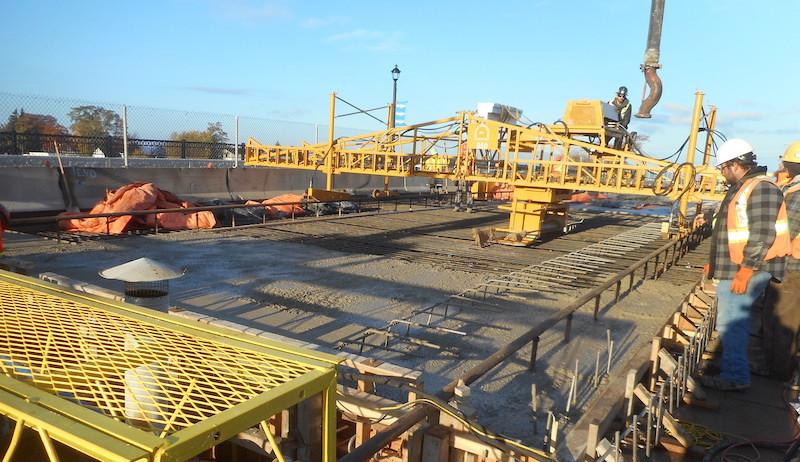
731, 149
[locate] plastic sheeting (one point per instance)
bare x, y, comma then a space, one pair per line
139, 196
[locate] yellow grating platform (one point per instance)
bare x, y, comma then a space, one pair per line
168, 387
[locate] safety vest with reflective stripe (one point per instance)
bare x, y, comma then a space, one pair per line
739, 232
795, 253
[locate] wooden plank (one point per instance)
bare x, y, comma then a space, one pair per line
669, 364
435, 445
363, 426
591, 441
363, 404
674, 446
670, 423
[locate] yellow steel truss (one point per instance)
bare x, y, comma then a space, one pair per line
119, 382
537, 160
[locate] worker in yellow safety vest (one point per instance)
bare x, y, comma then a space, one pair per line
782, 309
782, 177
748, 244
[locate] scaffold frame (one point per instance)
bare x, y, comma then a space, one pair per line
123, 383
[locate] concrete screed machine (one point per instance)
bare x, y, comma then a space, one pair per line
586, 150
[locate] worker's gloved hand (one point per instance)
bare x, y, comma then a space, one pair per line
741, 279
706, 270
699, 221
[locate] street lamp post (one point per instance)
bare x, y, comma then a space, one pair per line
395, 76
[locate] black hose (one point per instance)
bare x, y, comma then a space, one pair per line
566, 127
716, 449
790, 453
670, 189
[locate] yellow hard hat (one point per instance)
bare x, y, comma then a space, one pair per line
792, 153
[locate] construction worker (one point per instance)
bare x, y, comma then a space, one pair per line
782, 310
781, 175
5, 218
748, 244
623, 106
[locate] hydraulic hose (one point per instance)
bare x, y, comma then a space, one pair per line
651, 57
671, 188
656, 88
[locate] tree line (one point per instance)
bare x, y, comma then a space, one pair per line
96, 121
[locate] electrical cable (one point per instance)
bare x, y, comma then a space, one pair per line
725, 446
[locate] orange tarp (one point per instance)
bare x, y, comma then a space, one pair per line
502, 191
288, 209
134, 197
584, 197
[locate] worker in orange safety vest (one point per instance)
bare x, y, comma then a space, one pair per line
749, 242
782, 311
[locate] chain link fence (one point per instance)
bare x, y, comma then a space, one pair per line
35, 124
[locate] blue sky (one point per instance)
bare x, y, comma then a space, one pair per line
280, 59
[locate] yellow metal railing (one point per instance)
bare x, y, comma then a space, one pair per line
468, 147
540, 163
119, 382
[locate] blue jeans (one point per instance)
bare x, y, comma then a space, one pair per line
733, 324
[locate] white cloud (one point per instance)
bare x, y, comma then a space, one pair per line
740, 116
672, 114
355, 34
369, 40
676, 108
317, 23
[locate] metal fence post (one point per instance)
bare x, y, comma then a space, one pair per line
125, 135
236, 148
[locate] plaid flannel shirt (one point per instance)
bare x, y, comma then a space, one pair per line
793, 212
762, 212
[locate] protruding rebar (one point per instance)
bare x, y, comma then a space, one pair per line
659, 412
596, 380
534, 408
648, 440
635, 439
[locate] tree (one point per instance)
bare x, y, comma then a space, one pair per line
95, 121
22, 122
213, 134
